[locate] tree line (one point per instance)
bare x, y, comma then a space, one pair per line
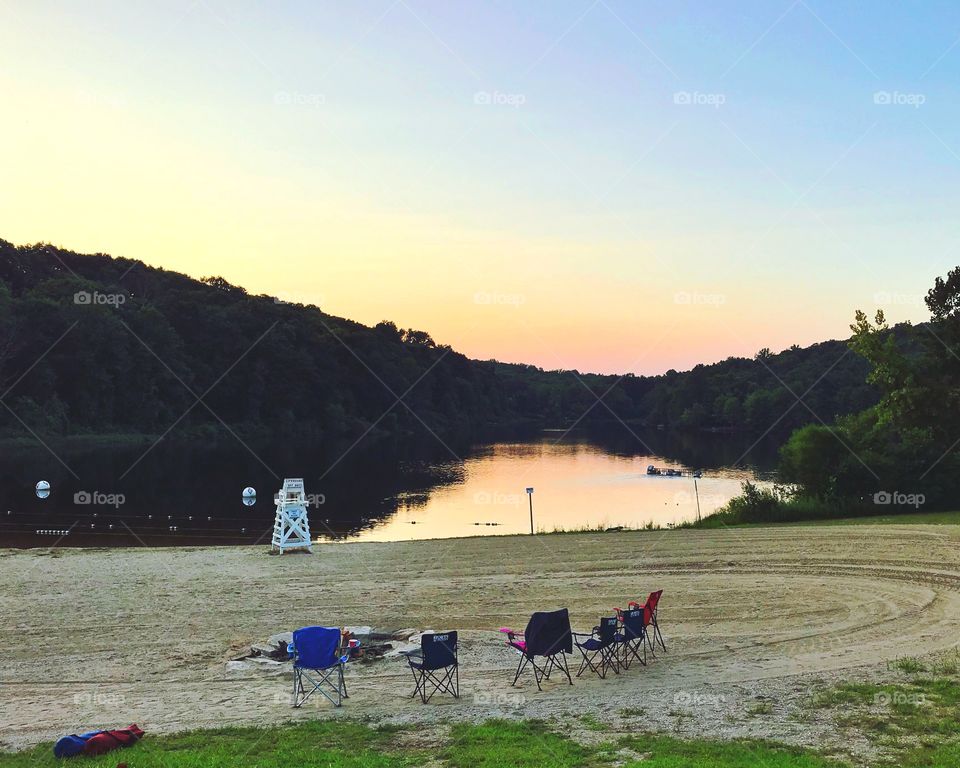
903, 452
91, 344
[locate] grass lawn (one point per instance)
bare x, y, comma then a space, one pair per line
917, 722
494, 744
908, 518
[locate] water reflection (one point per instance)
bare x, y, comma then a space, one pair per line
187, 494
578, 484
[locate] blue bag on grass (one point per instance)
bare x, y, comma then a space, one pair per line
72, 745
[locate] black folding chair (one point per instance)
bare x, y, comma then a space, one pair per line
548, 637
633, 628
435, 665
600, 648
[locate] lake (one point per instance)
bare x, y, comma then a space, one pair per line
187, 494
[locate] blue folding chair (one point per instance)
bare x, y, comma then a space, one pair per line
633, 628
599, 649
317, 650
435, 664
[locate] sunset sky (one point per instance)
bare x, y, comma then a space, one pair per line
604, 185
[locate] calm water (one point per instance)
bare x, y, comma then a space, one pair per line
191, 494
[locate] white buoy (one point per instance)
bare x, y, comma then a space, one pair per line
43, 485
249, 492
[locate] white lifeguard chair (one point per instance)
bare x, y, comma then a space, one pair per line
291, 529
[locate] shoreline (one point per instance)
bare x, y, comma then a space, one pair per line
901, 519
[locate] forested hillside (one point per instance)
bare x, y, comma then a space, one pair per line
91, 344
901, 454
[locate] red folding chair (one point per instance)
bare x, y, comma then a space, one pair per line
654, 636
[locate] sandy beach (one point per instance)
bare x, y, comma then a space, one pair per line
95, 638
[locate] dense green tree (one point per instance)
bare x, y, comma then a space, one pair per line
89, 344
906, 443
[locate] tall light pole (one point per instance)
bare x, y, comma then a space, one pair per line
697, 493
530, 497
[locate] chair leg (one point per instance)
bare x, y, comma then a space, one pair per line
548, 667
333, 689
424, 696
416, 683
520, 666
444, 684
659, 635
420, 684
612, 659
634, 650
538, 673
586, 662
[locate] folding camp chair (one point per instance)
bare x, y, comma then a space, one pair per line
547, 636
653, 602
317, 650
603, 642
435, 664
633, 628
654, 636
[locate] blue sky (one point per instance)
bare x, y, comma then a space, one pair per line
603, 185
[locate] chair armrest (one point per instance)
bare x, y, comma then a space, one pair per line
510, 633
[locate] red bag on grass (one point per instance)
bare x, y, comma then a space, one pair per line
108, 740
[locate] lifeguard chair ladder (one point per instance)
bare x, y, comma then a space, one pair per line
291, 528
